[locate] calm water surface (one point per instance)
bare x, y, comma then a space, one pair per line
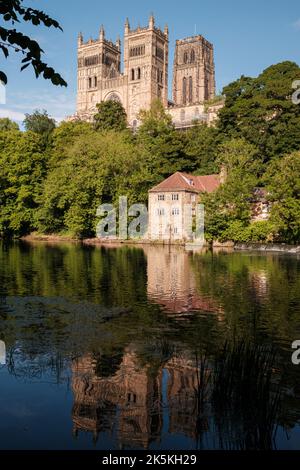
118, 348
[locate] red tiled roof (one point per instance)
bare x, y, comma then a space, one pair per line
185, 182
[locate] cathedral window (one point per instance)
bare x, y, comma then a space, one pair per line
90, 82
190, 89
95, 82
184, 91
132, 74
185, 57
138, 73
192, 56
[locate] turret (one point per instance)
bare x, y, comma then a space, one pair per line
127, 27
80, 40
151, 22
102, 33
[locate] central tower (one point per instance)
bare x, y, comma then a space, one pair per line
146, 52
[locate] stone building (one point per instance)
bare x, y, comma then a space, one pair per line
145, 74
170, 203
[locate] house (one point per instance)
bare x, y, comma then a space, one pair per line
173, 205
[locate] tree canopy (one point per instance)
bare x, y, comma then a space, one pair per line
110, 116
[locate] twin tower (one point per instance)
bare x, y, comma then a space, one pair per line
145, 72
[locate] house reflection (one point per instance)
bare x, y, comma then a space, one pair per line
135, 404
172, 282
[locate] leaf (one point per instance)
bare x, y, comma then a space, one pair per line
3, 78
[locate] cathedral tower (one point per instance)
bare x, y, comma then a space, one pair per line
194, 71
146, 66
98, 60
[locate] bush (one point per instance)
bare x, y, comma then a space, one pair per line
260, 231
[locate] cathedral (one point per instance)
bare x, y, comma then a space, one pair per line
144, 75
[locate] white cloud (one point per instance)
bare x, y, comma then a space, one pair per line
11, 114
297, 24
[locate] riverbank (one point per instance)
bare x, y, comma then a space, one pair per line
261, 247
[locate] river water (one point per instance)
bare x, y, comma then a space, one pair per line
147, 348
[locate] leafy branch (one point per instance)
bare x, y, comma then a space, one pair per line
14, 12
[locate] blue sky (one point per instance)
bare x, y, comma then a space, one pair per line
248, 36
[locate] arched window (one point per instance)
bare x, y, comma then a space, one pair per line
138, 73
90, 82
95, 82
190, 89
185, 57
192, 56
132, 74
184, 90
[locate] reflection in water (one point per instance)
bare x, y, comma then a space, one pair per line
172, 284
132, 399
103, 326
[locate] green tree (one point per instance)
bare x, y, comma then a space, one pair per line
7, 125
110, 116
39, 122
14, 12
161, 145
232, 201
261, 111
283, 179
94, 169
23, 166
201, 149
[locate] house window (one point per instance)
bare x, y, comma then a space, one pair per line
175, 197
160, 211
193, 197
175, 230
161, 197
175, 211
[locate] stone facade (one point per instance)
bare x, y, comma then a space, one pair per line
172, 206
145, 74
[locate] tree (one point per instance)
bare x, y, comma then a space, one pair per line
23, 166
283, 183
13, 11
231, 203
201, 149
261, 111
110, 116
94, 169
39, 122
7, 125
161, 145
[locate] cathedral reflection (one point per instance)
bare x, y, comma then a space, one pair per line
135, 404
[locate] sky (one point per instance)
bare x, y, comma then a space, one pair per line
248, 36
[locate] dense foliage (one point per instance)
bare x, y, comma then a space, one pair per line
52, 179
